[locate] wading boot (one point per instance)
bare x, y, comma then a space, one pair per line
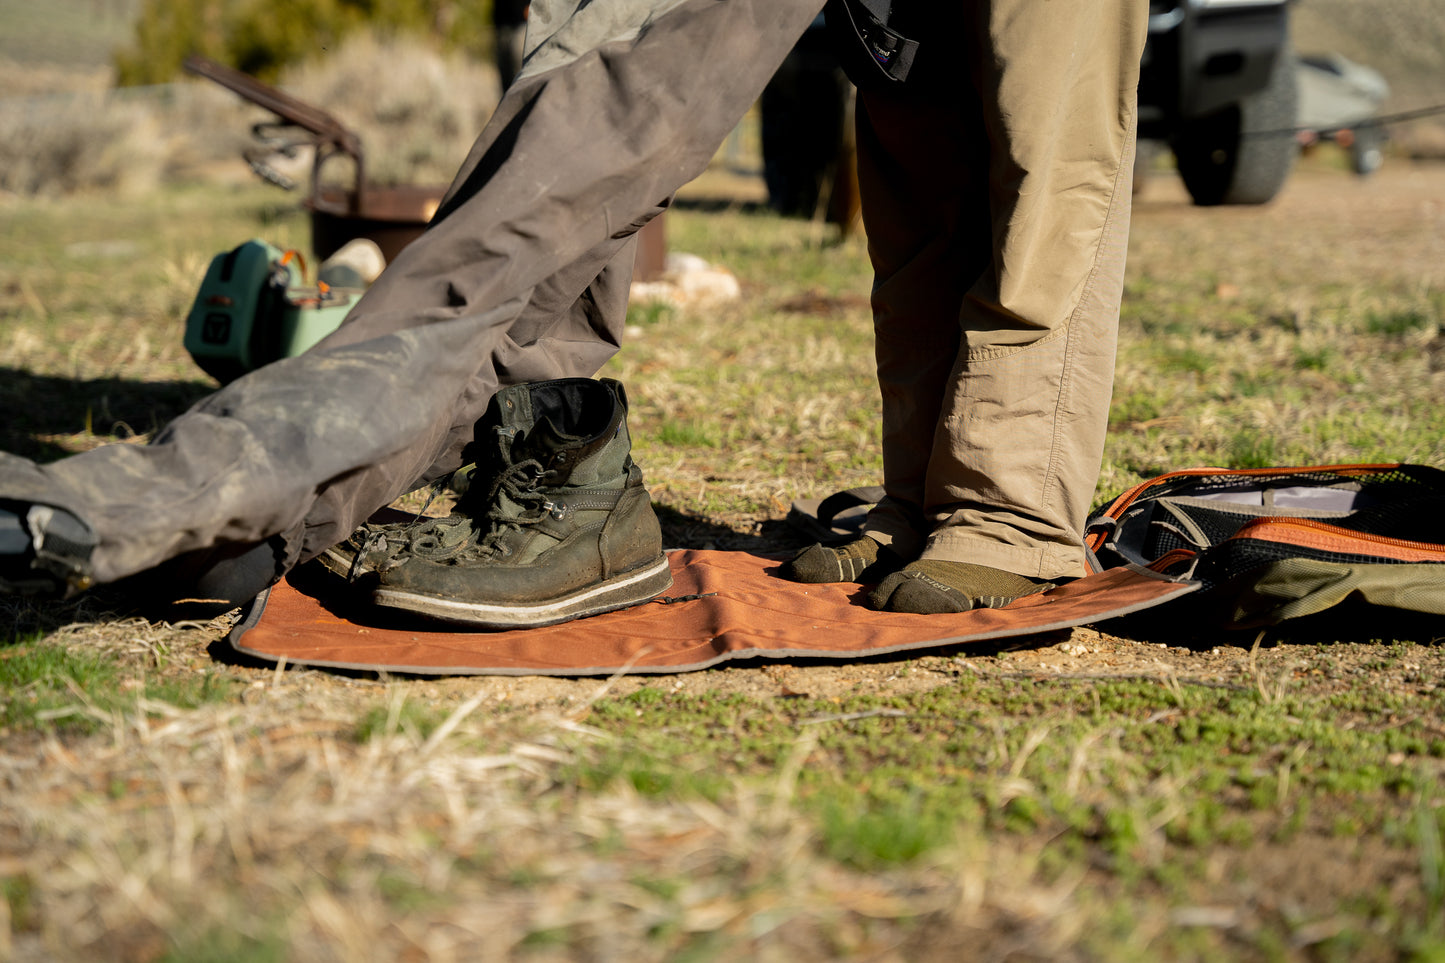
557, 524
45, 547
371, 545
44, 551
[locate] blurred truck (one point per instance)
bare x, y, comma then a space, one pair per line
1219, 86
1338, 102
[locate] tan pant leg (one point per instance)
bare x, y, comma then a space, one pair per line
922, 171
1012, 456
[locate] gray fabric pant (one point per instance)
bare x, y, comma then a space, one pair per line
523, 275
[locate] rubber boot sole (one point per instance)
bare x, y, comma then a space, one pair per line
337, 563
340, 563
619, 592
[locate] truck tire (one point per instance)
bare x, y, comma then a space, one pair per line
1146, 152
1367, 152
1243, 154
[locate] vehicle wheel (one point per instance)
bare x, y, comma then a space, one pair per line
1244, 153
1145, 154
1367, 152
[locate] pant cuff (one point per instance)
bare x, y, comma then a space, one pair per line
1048, 561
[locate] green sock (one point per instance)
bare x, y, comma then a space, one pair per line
934, 586
861, 560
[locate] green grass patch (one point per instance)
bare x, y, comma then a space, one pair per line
686, 435
229, 944
1250, 449
1119, 768
47, 685
18, 892
1393, 324
649, 312
870, 836
1185, 361
407, 716
1315, 359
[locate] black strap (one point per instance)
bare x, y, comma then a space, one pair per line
829, 507
889, 53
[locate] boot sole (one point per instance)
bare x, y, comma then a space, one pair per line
619, 592
339, 564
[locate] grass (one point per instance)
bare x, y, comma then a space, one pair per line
399, 715
1155, 793
1109, 818
1126, 765
48, 686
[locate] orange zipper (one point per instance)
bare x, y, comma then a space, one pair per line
1338, 535
1119, 505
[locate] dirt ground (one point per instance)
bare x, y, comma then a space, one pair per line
1311, 660
1392, 223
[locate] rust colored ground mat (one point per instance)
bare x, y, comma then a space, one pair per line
730, 606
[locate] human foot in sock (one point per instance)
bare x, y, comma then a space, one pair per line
934, 586
861, 560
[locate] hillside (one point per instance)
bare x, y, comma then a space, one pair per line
64, 33
1403, 39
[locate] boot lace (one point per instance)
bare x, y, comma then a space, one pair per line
513, 503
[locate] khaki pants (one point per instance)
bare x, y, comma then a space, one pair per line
996, 201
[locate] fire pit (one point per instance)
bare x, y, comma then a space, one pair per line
392, 217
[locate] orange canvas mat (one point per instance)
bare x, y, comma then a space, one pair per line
746, 612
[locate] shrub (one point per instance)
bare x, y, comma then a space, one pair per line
79, 142
417, 118
262, 37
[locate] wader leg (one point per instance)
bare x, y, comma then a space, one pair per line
522, 274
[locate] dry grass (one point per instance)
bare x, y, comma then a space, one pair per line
451, 824
70, 143
265, 827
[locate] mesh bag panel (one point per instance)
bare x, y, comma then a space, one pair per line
1214, 524
1416, 519
1204, 513
1235, 559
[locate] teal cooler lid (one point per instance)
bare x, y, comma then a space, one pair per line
311, 316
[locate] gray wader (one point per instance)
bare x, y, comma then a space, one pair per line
523, 275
